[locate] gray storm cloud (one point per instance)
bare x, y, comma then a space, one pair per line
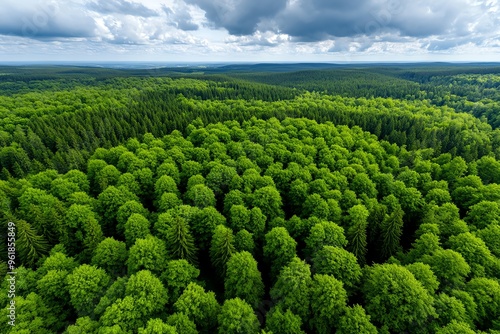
317, 20
239, 17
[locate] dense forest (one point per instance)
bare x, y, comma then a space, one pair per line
250, 200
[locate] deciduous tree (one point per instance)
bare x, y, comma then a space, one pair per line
177, 276
279, 321
200, 306
86, 285
324, 234
279, 249
328, 300
243, 279
338, 263
111, 255
355, 320
149, 253
292, 289
394, 298
136, 227
236, 316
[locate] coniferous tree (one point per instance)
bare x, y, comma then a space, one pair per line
29, 245
356, 233
222, 248
391, 231
180, 242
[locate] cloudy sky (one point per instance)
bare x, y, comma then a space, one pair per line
250, 30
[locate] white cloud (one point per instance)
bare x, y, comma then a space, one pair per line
321, 30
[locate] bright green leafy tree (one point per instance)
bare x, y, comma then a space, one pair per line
236, 316
394, 298
243, 279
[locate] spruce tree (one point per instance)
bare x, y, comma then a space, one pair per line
180, 242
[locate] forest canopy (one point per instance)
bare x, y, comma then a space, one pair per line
251, 203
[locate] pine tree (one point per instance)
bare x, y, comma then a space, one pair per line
30, 245
356, 233
180, 242
392, 229
222, 248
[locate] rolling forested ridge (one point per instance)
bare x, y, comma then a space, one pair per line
250, 199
